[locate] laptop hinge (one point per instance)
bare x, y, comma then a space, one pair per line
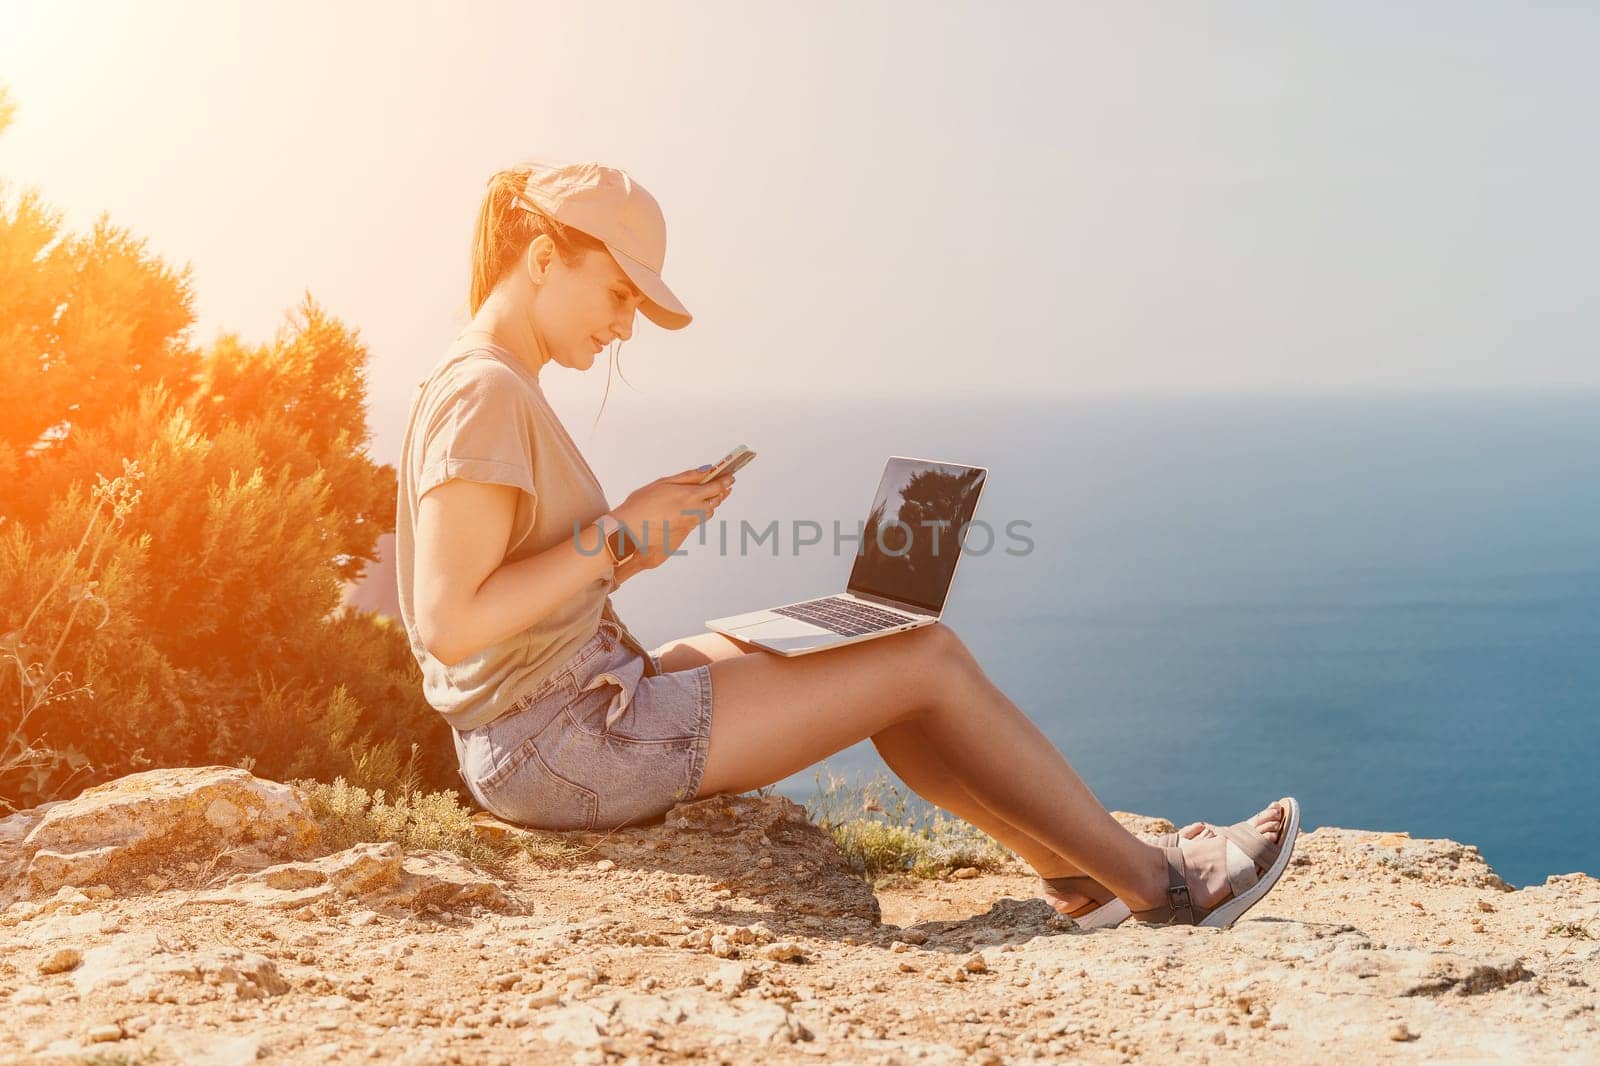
883, 601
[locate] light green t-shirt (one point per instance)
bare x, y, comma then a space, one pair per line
481, 415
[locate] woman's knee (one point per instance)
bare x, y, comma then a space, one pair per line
940, 651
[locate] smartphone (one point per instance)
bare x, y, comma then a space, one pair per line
731, 462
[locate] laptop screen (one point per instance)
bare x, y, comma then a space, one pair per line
910, 545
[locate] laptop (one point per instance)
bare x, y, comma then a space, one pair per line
901, 575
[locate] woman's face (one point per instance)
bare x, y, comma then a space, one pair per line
578, 310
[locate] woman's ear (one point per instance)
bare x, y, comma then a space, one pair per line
540, 250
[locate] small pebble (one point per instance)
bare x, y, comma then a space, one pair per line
61, 961
782, 951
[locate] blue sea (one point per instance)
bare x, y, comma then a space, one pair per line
1387, 606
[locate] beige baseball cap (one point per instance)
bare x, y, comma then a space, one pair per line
611, 207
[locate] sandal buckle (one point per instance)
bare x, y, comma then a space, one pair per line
1178, 897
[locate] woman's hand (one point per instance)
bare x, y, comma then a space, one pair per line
660, 516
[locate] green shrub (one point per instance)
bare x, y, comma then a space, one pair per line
884, 829
350, 815
204, 625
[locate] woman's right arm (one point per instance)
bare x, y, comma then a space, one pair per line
465, 599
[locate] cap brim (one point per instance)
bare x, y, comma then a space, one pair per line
660, 305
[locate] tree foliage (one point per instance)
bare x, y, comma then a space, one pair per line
176, 525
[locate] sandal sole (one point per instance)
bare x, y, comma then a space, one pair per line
1104, 916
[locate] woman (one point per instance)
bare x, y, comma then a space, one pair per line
508, 552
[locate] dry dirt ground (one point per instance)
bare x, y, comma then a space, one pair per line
732, 933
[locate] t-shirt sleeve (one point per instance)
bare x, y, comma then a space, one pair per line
480, 429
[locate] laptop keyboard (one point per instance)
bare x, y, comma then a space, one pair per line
842, 616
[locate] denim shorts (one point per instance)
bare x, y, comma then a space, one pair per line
605, 741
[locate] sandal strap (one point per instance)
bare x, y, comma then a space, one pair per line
1082, 885
1249, 840
1242, 872
1178, 908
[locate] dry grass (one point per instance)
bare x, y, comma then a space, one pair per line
880, 828
436, 820
884, 829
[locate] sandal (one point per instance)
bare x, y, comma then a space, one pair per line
1109, 910
1254, 865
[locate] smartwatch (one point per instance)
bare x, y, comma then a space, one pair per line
619, 546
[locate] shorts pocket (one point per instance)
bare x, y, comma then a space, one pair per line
599, 705
523, 789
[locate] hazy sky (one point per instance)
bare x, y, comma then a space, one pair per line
872, 196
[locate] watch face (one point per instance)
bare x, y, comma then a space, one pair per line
619, 546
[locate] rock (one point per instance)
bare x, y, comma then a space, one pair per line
444, 879
738, 1021
724, 838
144, 958
212, 1049
60, 961
361, 870
1477, 980
104, 1034
1436, 862
732, 977
783, 951
125, 831
1320, 968
580, 1025
14, 830
1143, 825
375, 872
634, 1012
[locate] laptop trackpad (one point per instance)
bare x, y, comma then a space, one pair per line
778, 629
785, 630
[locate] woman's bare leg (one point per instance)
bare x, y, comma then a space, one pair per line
911, 755
773, 717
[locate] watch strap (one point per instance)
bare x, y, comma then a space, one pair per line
619, 547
